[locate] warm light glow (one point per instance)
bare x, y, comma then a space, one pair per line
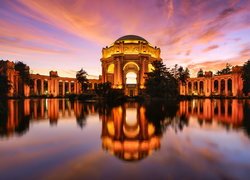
131, 78
111, 128
150, 67
111, 68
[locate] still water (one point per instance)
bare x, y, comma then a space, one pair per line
56, 138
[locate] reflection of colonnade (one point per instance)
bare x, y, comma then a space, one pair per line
227, 111
20, 112
127, 134
227, 85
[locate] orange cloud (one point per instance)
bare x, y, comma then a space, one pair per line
210, 48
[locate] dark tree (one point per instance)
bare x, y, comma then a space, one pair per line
162, 82
81, 77
246, 77
226, 70
5, 86
24, 73
102, 89
183, 74
200, 73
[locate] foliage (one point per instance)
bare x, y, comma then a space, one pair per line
81, 77
226, 70
24, 73
164, 82
246, 77
5, 86
200, 73
104, 90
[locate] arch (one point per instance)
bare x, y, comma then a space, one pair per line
39, 86
131, 63
195, 86
201, 90
150, 67
216, 85
189, 88
229, 86
131, 78
111, 68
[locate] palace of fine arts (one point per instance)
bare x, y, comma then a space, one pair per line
153, 89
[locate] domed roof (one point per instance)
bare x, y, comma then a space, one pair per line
131, 37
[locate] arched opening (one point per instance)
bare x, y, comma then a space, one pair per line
131, 78
229, 87
110, 73
39, 86
150, 67
111, 68
201, 90
189, 88
222, 86
46, 86
216, 85
195, 87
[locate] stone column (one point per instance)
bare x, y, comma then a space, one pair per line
226, 88
119, 73
35, 86
69, 86
219, 84
192, 87
56, 87
198, 87
63, 88
42, 86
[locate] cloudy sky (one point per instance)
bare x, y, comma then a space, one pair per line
66, 35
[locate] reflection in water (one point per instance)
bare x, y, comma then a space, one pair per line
232, 114
214, 135
127, 134
130, 131
17, 114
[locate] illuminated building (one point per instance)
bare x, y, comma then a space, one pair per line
43, 85
125, 62
208, 85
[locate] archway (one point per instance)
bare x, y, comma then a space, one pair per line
216, 85
201, 90
131, 78
229, 86
189, 88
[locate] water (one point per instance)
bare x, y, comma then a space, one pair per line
52, 139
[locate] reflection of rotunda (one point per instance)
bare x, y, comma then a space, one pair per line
127, 134
126, 60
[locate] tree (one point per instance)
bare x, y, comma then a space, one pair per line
162, 82
226, 70
24, 73
4, 86
81, 77
246, 77
102, 89
183, 74
200, 73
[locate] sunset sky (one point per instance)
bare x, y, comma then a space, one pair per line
67, 35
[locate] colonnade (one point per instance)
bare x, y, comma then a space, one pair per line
55, 86
226, 85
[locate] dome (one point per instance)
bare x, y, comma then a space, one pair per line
131, 37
